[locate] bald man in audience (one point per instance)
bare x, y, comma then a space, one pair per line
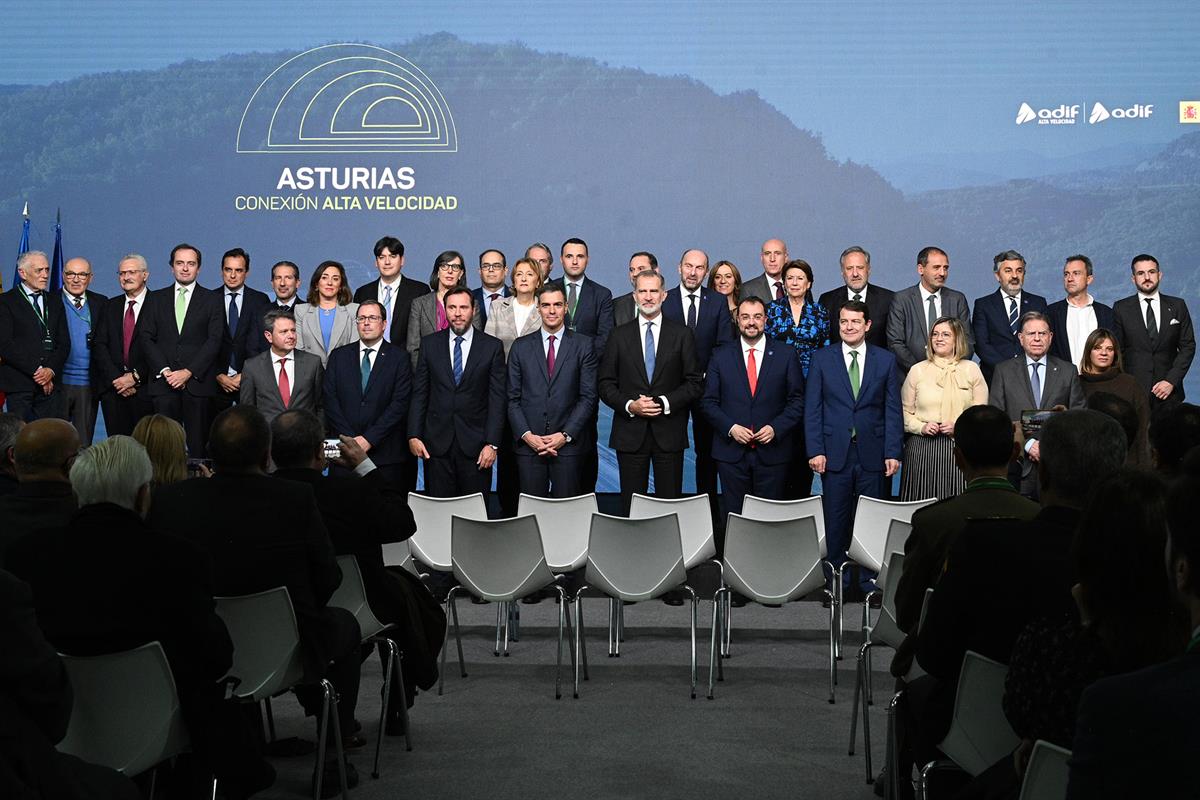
43, 452
10, 426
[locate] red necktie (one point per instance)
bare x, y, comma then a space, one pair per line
550, 358
752, 372
285, 389
127, 333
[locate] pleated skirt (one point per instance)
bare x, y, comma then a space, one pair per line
929, 469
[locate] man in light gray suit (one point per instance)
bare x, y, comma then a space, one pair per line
1034, 380
282, 378
768, 286
915, 309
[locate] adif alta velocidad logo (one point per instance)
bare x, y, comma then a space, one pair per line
1061, 115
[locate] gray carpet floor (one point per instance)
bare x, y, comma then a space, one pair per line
633, 733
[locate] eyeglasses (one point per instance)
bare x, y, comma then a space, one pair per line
451, 267
77, 274
491, 267
368, 318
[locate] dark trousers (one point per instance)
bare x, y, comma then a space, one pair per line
798, 484
634, 470
81, 411
706, 468
508, 482
839, 498
550, 476
339, 638
190, 411
454, 475
750, 475
30, 406
122, 414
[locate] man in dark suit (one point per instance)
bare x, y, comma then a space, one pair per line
368, 385
1074, 317
278, 540
649, 378
1136, 733
120, 369
362, 513
493, 270
182, 328
82, 311
768, 286
1155, 332
1033, 381
552, 401
394, 290
625, 306
915, 309
243, 308
285, 280
754, 402
707, 315
853, 426
43, 453
34, 342
997, 315
106, 582
456, 417
856, 276
543, 256
283, 377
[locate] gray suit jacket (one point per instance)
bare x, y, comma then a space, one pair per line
759, 287
502, 323
308, 329
261, 390
624, 309
422, 321
908, 323
1012, 393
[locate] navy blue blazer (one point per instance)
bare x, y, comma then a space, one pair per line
778, 400
831, 412
470, 414
248, 339
563, 403
593, 312
713, 326
481, 304
994, 339
1060, 345
378, 415
197, 347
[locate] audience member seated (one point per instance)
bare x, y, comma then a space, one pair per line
43, 453
1173, 432
361, 513
261, 533
10, 426
1001, 574
35, 705
1136, 734
1126, 416
166, 445
107, 583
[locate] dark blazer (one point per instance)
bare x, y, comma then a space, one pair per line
1060, 345
713, 326
677, 377
260, 389
778, 400
593, 312
1011, 392
831, 412
481, 302
21, 340
378, 414
760, 287
470, 414
879, 303
563, 403
908, 322
33, 506
407, 291
108, 346
624, 309
1169, 356
994, 339
248, 339
197, 347
422, 321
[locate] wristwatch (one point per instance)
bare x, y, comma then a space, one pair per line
137, 379
567, 436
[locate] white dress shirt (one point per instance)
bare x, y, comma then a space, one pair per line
290, 366
862, 294
362, 348
684, 297
1156, 304
861, 349
655, 333
238, 296
391, 303
1081, 321
188, 291
558, 340
937, 304
138, 301
466, 346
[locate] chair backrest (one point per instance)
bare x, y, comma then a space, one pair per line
695, 522
872, 521
565, 523
885, 630
772, 561
266, 642
351, 595
635, 559
898, 531
431, 543
762, 508
126, 712
399, 554
501, 559
979, 734
1047, 773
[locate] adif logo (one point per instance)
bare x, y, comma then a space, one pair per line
1063, 115
1135, 111
1099, 114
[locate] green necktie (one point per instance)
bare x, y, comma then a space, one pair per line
854, 377
180, 308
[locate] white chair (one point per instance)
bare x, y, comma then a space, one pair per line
765, 509
1047, 773
892, 758
431, 543
565, 523
399, 554
898, 533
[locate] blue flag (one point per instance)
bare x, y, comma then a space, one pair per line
23, 247
56, 263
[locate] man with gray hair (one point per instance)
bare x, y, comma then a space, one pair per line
82, 307
106, 582
10, 426
43, 452
34, 343
856, 275
997, 315
121, 368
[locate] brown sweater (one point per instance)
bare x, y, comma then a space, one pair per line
1124, 386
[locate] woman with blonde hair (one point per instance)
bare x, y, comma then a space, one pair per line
165, 443
516, 315
935, 392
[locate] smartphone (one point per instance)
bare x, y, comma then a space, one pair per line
333, 448
194, 464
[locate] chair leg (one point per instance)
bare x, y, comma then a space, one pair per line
578, 639
322, 734
620, 626
400, 687
870, 688
929, 769
837, 603
712, 646
832, 659
562, 618
727, 632
570, 631
388, 666
892, 756
612, 626
331, 693
694, 604
866, 711
501, 621
514, 621
509, 633
270, 720
582, 639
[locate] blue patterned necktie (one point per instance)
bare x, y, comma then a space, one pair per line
1012, 314
457, 360
650, 351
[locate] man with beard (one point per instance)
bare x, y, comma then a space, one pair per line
996, 315
1155, 332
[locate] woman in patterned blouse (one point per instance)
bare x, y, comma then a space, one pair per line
797, 319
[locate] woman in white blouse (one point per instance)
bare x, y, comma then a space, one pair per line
517, 314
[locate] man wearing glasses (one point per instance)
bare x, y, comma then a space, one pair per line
493, 270
34, 343
82, 308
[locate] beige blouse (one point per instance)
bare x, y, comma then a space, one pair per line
939, 390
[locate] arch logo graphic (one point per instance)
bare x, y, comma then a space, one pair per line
347, 98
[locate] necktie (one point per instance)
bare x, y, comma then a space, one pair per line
1151, 319
778, 290
366, 368
387, 303
1035, 383
491, 299
37, 305
180, 308
1012, 314
285, 388
691, 318
572, 301
127, 333
650, 351
78, 304
855, 378
752, 372
550, 357
857, 297
457, 360
233, 323
933, 315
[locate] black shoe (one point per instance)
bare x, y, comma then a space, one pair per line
673, 601
737, 601
353, 742
877, 600
532, 599
331, 785
479, 601
826, 602
881, 783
